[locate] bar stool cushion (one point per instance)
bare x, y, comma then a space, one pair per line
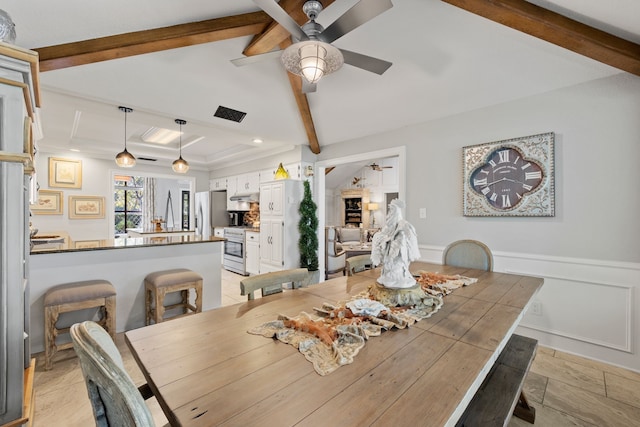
172, 277
78, 291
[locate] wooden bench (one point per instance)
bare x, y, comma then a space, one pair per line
271, 283
500, 395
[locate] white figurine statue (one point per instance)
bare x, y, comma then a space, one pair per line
395, 246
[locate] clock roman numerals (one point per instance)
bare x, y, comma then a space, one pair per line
503, 156
505, 178
533, 175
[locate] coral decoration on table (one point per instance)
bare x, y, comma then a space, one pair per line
335, 334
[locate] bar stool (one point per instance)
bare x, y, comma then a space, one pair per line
76, 296
160, 283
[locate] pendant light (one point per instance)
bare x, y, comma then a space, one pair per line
125, 159
180, 165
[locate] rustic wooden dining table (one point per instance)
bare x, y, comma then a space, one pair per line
206, 370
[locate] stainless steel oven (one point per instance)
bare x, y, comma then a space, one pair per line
234, 250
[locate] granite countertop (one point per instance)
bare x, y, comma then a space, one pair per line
69, 245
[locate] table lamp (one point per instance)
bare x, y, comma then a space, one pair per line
372, 207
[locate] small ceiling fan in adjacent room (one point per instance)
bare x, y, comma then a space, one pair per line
312, 55
376, 167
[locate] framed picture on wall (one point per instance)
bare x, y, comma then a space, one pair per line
66, 173
185, 210
48, 203
86, 207
513, 177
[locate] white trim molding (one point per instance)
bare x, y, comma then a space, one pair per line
586, 307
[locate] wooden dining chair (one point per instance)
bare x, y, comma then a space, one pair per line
358, 263
115, 399
271, 283
469, 254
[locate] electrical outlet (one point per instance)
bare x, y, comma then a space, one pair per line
536, 308
423, 213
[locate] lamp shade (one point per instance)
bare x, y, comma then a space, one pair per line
312, 59
125, 159
373, 207
180, 165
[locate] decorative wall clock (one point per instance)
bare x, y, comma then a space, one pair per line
514, 177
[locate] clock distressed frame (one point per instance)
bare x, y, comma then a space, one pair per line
539, 202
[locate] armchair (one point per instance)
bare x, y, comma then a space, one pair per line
335, 257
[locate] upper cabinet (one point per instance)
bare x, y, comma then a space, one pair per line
218, 184
248, 183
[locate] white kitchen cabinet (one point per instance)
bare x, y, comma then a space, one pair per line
252, 252
248, 183
272, 198
267, 175
279, 217
232, 205
218, 184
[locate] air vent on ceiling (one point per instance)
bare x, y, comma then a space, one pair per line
229, 114
147, 159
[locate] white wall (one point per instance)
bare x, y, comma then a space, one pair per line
589, 253
96, 181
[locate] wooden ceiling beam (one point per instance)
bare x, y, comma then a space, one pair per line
275, 33
154, 40
303, 106
559, 30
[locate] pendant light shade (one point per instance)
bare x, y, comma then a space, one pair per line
180, 165
125, 159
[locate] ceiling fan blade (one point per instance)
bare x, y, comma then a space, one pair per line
246, 60
281, 17
365, 62
307, 87
360, 13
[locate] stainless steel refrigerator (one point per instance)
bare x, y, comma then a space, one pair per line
210, 211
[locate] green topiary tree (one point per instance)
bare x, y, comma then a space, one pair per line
308, 227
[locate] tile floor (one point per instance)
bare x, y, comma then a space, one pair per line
566, 390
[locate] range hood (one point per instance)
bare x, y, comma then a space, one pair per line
245, 197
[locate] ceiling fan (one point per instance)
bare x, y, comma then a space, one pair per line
313, 55
376, 167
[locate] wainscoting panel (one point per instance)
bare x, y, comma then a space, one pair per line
585, 307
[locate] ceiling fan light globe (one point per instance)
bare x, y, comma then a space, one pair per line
125, 159
180, 165
312, 59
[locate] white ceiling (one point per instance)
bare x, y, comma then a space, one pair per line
445, 61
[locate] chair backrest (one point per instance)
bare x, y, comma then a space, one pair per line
331, 240
272, 282
114, 397
468, 253
358, 263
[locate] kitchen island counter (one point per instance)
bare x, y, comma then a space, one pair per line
124, 262
121, 243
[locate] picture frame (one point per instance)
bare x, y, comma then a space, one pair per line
185, 209
510, 178
48, 203
65, 173
86, 207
